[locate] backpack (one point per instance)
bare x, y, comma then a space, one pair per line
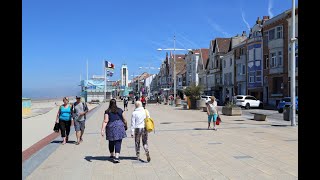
85, 108
149, 123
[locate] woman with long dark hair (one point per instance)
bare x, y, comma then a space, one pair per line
114, 126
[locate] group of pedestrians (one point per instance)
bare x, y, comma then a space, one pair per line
114, 124
72, 113
114, 127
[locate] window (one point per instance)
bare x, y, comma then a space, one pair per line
271, 34
258, 76
230, 78
280, 58
217, 64
254, 53
243, 69
273, 60
279, 32
277, 81
224, 63
230, 61
249, 98
251, 77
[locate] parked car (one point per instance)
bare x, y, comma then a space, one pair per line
207, 98
248, 101
286, 101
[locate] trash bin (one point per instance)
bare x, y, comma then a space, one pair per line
286, 112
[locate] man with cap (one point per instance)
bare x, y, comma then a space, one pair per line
80, 110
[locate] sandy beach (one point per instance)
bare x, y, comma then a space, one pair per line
40, 122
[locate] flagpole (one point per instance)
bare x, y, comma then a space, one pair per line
87, 70
105, 83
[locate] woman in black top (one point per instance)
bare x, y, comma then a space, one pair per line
114, 126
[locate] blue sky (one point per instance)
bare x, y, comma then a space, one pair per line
58, 37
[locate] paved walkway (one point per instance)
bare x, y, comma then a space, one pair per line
181, 148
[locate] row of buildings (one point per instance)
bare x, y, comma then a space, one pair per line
256, 64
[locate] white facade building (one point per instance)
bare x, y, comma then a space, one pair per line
124, 75
192, 59
147, 84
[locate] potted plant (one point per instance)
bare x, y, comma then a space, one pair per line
231, 109
193, 92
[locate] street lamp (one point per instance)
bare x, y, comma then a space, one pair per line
174, 63
293, 66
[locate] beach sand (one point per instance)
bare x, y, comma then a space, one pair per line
40, 122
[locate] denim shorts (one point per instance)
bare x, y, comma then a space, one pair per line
79, 125
213, 116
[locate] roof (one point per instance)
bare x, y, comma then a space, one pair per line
279, 16
223, 44
205, 55
180, 64
183, 71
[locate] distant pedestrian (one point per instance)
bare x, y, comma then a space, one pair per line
64, 119
158, 99
125, 103
80, 110
114, 126
138, 130
227, 99
143, 101
212, 111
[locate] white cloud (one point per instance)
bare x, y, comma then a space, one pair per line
218, 28
244, 20
269, 8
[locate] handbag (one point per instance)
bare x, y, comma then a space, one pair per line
149, 124
124, 122
218, 120
56, 127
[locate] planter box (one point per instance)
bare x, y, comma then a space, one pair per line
234, 111
178, 102
259, 117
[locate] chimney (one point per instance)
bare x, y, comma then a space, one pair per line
244, 33
258, 21
266, 17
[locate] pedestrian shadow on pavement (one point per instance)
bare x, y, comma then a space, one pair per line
59, 142
107, 158
202, 129
98, 158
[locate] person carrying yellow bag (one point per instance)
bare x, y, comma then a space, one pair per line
149, 122
139, 130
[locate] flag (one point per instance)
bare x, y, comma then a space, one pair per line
110, 74
109, 65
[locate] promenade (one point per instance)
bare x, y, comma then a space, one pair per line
180, 148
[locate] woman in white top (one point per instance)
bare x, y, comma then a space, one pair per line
138, 129
212, 111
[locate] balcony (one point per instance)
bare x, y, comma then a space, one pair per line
276, 70
275, 43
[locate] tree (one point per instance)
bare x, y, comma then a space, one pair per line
194, 93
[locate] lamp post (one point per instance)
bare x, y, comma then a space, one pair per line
293, 66
174, 64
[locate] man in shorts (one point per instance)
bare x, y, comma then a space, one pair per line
80, 110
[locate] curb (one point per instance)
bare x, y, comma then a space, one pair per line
26, 154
